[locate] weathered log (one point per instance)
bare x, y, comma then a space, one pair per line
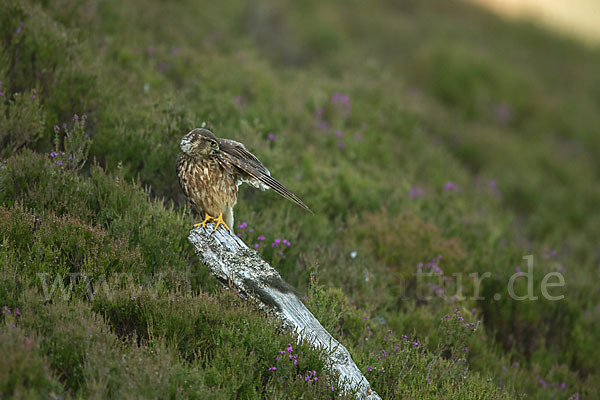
233, 263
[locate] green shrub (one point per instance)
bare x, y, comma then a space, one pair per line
21, 122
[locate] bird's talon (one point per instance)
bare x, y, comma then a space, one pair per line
207, 219
219, 221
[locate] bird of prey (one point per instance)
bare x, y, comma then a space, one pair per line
210, 169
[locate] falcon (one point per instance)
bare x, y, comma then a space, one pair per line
211, 169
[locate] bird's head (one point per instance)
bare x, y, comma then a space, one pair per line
200, 144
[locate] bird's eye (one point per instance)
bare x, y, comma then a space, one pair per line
214, 144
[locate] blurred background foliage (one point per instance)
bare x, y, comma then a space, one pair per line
426, 136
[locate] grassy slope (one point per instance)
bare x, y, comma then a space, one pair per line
364, 104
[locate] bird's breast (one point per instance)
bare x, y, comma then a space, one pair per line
210, 186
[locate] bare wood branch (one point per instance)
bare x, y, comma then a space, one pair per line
233, 263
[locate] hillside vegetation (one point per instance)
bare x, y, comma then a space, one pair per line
432, 140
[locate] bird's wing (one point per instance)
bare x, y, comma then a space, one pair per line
253, 171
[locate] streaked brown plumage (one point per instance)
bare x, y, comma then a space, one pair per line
210, 170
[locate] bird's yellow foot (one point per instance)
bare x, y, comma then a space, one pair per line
219, 221
207, 219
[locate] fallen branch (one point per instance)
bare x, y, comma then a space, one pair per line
233, 263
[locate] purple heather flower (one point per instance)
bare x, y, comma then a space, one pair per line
34, 92
289, 348
339, 134
239, 235
261, 238
344, 101
357, 137
273, 369
161, 67
446, 316
503, 112
18, 312
59, 162
415, 344
18, 30
466, 349
238, 100
1, 94
256, 245
6, 309
56, 128
70, 156
251, 230
14, 327
27, 339
53, 154
396, 348
341, 144
451, 186
271, 136
174, 51
75, 117
339, 98
415, 192
428, 381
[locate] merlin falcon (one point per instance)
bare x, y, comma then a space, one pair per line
210, 169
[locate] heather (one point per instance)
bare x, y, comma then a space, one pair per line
431, 139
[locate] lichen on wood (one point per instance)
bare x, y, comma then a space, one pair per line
234, 264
